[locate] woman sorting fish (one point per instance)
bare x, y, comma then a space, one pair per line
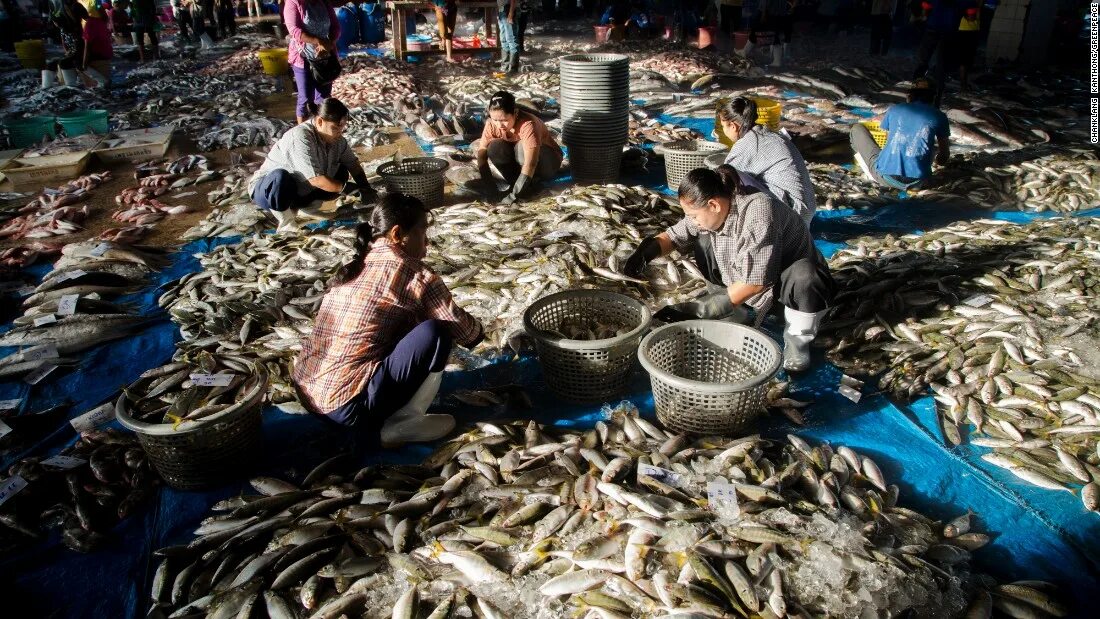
311, 163
520, 147
751, 248
768, 155
313, 29
384, 332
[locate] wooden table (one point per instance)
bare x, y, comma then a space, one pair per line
400, 10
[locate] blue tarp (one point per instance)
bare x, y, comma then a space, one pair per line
1037, 533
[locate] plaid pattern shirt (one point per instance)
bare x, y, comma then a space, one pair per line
360, 323
761, 238
775, 160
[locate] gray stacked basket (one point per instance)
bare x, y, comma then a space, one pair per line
595, 105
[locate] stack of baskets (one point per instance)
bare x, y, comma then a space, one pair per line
683, 156
586, 370
709, 377
421, 177
595, 103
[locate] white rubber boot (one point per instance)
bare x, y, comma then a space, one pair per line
746, 50
206, 41
49, 79
313, 211
69, 77
777, 54
410, 424
801, 330
288, 221
864, 167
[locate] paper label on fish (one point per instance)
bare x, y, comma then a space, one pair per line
722, 496
9, 405
978, 300
75, 273
94, 418
100, 249
664, 476
66, 306
11, 487
5, 429
26, 291
212, 380
852, 394
36, 376
64, 462
42, 351
45, 320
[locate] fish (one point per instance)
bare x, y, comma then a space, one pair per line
616, 558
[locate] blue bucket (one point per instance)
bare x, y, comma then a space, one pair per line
416, 39
372, 22
348, 17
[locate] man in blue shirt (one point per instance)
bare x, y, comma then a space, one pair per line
914, 129
940, 31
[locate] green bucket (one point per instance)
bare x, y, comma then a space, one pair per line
86, 121
24, 132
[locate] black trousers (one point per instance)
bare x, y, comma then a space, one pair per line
882, 31
520, 28
805, 285
731, 19
508, 158
184, 23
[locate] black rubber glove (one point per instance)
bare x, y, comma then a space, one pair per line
522, 183
712, 306
366, 195
486, 174
648, 251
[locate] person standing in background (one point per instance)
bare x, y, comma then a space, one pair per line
523, 13
730, 16
98, 50
966, 42
882, 25
144, 13
210, 17
446, 15
313, 31
227, 18
9, 24
120, 21
253, 8
509, 52
182, 14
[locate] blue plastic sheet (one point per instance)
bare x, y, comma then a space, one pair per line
1037, 533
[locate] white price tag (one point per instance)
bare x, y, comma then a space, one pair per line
723, 496
978, 300
854, 383
664, 476
75, 273
25, 291
11, 487
94, 418
852, 394
100, 249
45, 320
66, 306
212, 380
9, 405
36, 376
42, 351
5, 429
64, 462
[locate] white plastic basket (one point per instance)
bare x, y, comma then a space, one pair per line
708, 376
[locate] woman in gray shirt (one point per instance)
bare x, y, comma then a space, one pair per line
309, 164
752, 249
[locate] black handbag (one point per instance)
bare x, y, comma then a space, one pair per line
324, 69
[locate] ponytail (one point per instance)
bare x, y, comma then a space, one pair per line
740, 110
702, 184
395, 209
330, 110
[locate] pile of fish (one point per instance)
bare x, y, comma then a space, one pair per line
522, 520
14, 259
241, 62
1000, 320
142, 206
233, 212
836, 188
436, 120
370, 80
1064, 182
534, 89
645, 130
83, 491
255, 131
252, 303
54, 212
682, 65
497, 260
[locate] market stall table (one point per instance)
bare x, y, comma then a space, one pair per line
400, 10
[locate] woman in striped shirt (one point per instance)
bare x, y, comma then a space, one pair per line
384, 332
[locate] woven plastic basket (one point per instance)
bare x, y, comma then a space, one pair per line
709, 377
198, 455
683, 156
421, 177
595, 164
586, 370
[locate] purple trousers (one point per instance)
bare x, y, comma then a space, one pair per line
308, 90
424, 350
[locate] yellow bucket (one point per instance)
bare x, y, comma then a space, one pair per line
876, 132
31, 53
274, 61
767, 113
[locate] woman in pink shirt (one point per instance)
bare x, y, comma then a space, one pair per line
313, 29
98, 50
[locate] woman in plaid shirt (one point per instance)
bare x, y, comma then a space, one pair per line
384, 332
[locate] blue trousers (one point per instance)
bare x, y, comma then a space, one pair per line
508, 44
424, 350
278, 191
